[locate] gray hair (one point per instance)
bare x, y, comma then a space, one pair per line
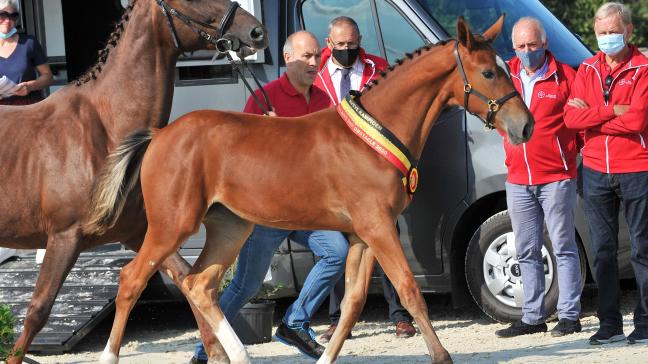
12, 3
288, 46
344, 20
536, 23
611, 8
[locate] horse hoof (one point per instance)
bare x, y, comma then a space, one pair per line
442, 359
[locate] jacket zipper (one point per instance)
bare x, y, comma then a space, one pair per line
562, 155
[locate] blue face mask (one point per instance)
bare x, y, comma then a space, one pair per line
8, 35
611, 44
531, 59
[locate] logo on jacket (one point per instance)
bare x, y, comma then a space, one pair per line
624, 82
542, 95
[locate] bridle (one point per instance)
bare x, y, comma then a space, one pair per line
220, 39
493, 105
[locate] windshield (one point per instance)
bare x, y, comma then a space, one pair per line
480, 14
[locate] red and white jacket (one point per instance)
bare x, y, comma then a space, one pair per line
613, 144
372, 67
550, 154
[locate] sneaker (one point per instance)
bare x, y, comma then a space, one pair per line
520, 328
326, 337
405, 329
195, 360
638, 336
606, 335
566, 327
302, 338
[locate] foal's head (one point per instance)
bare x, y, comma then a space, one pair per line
242, 26
491, 79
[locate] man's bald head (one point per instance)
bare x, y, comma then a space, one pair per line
302, 36
530, 28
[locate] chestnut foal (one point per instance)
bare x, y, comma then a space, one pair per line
232, 170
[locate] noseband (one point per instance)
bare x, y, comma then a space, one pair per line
223, 44
493, 105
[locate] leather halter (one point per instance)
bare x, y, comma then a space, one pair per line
223, 44
493, 105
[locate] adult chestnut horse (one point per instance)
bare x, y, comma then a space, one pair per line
233, 170
51, 152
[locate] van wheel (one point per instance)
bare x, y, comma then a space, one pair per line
493, 273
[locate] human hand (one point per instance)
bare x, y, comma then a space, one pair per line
21, 89
577, 103
271, 112
620, 109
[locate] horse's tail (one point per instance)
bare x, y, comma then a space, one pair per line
118, 177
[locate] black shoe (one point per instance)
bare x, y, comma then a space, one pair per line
566, 327
638, 336
520, 328
302, 338
195, 360
606, 335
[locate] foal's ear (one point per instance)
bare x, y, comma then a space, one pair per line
464, 34
491, 33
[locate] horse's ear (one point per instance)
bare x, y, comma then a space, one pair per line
464, 34
491, 33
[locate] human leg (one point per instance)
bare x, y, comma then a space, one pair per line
558, 200
600, 192
527, 221
635, 202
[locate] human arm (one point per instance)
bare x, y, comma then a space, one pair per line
633, 118
579, 114
44, 79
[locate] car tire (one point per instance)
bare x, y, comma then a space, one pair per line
493, 275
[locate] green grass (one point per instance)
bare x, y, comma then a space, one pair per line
7, 322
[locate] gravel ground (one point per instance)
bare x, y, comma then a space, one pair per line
165, 334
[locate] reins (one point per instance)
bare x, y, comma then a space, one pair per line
493, 105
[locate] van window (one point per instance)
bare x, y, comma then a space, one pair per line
482, 13
317, 14
398, 34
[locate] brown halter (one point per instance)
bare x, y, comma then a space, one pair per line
493, 105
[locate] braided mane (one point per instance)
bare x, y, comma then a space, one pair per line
400, 61
113, 40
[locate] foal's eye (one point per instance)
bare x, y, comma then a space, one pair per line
488, 74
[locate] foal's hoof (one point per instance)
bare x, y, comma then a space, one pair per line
442, 359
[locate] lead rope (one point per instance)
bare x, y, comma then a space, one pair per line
239, 67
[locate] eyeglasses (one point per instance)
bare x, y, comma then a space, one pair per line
11, 16
606, 90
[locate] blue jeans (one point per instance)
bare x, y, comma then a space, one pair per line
604, 195
529, 208
254, 261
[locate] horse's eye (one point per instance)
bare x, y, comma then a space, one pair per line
488, 74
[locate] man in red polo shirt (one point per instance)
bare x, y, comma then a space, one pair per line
346, 66
290, 95
609, 101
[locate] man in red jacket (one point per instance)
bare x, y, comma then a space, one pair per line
346, 66
541, 185
609, 101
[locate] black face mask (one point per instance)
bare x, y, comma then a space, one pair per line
346, 57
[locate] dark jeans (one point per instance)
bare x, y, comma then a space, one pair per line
605, 195
397, 312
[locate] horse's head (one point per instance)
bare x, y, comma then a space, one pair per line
484, 85
227, 25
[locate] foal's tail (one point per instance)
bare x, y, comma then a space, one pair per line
118, 177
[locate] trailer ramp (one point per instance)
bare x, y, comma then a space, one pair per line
86, 297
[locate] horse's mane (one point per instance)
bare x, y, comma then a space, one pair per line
113, 40
417, 52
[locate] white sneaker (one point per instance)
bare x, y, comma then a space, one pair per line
6, 253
